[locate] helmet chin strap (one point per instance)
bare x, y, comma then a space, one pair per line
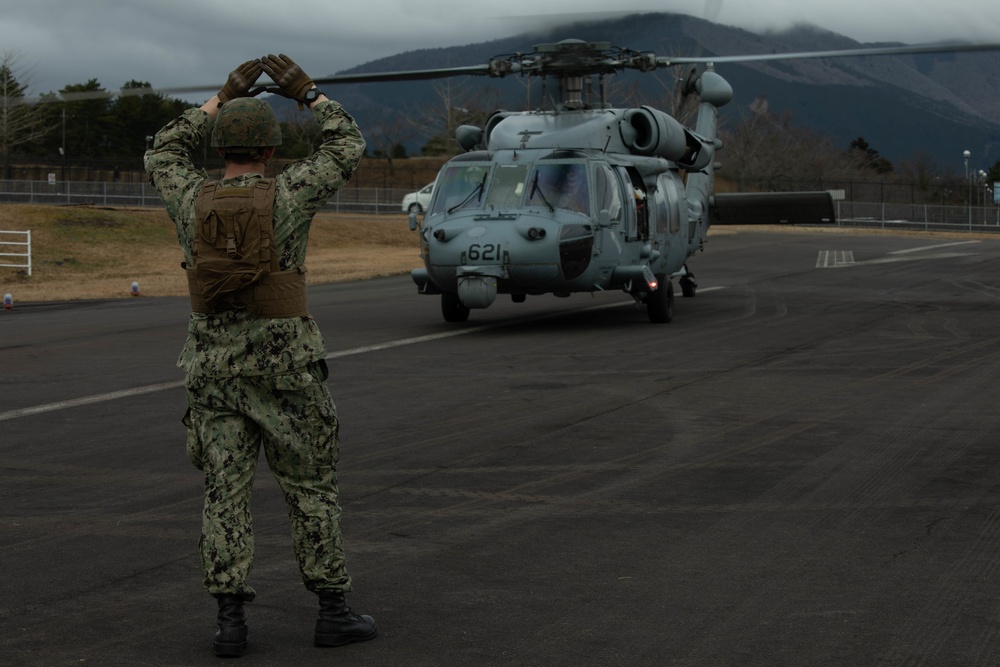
262, 155
258, 156
244, 162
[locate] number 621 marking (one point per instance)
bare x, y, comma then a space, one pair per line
485, 252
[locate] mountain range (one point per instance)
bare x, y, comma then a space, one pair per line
928, 107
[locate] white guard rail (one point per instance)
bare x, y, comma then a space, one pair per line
15, 247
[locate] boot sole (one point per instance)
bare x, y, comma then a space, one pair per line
230, 650
329, 641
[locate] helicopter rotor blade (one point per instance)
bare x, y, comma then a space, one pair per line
124, 92
843, 53
585, 58
412, 75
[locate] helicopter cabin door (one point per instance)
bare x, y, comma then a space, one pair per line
608, 194
667, 212
631, 214
641, 229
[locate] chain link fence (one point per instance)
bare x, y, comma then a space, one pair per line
927, 217
874, 204
348, 200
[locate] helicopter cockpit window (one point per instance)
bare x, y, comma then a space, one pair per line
559, 185
460, 186
507, 186
609, 195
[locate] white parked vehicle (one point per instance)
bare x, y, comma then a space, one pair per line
418, 201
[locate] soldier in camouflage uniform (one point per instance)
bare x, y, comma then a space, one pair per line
255, 372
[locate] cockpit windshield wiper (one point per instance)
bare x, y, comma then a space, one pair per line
541, 194
476, 192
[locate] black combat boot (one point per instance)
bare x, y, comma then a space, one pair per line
231, 637
338, 625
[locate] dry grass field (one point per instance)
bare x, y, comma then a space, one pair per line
87, 252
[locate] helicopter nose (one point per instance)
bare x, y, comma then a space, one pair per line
480, 259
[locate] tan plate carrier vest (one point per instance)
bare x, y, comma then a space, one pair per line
235, 262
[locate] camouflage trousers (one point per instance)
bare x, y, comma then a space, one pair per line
293, 416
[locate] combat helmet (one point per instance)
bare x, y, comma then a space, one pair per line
246, 122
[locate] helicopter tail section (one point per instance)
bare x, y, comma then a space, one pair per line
715, 92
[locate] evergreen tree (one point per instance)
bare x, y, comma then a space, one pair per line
87, 122
136, 116
869, 157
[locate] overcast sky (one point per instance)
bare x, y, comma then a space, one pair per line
175, 43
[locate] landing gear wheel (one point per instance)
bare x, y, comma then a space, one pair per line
452, 308
660, 302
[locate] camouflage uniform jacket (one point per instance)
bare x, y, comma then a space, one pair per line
230, 343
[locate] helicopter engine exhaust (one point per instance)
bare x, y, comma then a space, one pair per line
649, 131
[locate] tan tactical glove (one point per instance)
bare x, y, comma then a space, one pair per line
291, 80
240, 80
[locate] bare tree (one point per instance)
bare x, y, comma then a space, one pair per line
460, 102
763, 149
386, 131
304, 133
20, 123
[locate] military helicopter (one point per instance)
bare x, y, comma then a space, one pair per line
583, 197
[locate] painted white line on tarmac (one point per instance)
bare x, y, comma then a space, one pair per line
90, 400
931, 247
164, 386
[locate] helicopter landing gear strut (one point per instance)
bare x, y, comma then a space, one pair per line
452, 308
660, 302
688, 286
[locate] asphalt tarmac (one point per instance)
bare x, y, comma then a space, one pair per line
802, 469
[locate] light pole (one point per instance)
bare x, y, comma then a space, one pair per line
62, 149
968, 185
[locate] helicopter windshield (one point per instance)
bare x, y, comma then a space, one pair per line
560, 185
460, 186
507, 186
